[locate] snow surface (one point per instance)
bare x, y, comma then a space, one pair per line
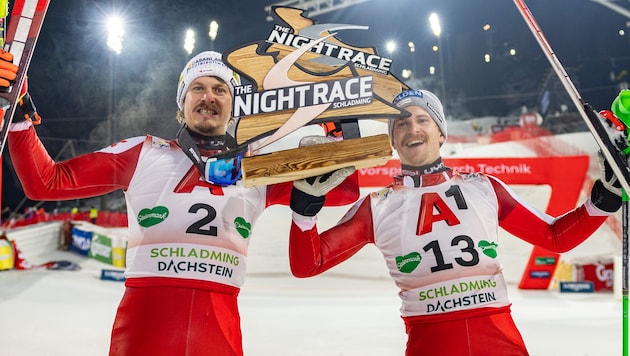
351, 310
69, 313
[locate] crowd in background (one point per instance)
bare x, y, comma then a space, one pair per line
35, 215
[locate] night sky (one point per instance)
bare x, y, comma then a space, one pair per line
72, 70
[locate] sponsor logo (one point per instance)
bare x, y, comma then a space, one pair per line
539, 274
461, 302
340, 93
545, 261
194, 253
409, 262
302, 71
577, 287
372, 62
113, 275
322, 95
605, 274
488, 248
197, 267
459, 295
151, 217
243, 227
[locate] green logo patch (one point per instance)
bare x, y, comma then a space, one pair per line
545, 261
488, 248
150, 217
243, 227
406, 264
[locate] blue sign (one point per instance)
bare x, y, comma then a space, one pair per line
81, 241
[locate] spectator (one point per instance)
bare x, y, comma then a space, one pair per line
93, 214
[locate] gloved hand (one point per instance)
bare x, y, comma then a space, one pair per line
606, 192
8, 70
332, 129
26, 109
8, 73
308, 195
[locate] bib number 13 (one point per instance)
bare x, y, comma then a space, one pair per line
468, 250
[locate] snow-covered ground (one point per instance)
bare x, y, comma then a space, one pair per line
351, 310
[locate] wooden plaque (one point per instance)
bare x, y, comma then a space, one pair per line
309, 161
301, 74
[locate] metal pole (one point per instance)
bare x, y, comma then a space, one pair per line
624, 273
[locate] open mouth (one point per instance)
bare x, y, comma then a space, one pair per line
207, 111
414, 143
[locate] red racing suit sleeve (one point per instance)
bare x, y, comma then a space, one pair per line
311, 253
88, 175
558, 234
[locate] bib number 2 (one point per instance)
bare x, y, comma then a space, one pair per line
203, 226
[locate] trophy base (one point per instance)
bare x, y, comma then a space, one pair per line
308, 161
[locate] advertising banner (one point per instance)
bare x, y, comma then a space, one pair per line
81, 241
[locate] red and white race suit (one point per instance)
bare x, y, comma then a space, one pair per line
440, 243
187, 244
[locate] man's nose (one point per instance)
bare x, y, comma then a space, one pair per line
414, 126
208, 96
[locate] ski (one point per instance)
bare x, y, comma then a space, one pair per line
25, 22
594, 121
613, 134
619, 118
612, 138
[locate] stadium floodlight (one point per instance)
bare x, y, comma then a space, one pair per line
390, 46
412, 47
434, 22
213, 31
115, 33
189, 41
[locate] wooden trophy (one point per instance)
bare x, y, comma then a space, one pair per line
303, 75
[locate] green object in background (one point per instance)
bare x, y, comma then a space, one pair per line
4, 11
621, 107
101, 248
107, 249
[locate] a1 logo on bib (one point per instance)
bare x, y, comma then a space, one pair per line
301, 74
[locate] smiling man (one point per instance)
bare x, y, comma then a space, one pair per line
204, 94
191, 218
437, 230
418, 138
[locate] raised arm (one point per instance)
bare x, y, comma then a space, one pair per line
84, 176
557, 234
311, 253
